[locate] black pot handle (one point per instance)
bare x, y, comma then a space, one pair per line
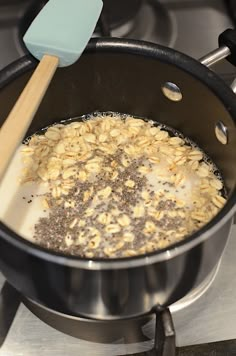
228, 39
227, 49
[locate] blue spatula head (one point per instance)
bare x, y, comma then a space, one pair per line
63, 29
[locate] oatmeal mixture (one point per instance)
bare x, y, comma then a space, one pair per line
119, 186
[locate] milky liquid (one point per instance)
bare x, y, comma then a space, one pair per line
184, 192
20, 204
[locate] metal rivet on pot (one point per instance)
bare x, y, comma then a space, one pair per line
221, 132
172, 91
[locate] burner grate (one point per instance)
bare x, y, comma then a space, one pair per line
151, 22
164, 344
9, 303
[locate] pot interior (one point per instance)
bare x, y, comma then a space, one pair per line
129, 79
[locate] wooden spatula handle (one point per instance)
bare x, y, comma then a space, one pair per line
18, 121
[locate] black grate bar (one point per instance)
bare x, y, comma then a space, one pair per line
9, 303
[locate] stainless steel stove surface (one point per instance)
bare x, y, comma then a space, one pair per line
191, 26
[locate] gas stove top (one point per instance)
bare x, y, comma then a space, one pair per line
205, 317
190, 26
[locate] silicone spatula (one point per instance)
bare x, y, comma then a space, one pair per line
57, 37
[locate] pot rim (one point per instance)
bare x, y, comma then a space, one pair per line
168, 55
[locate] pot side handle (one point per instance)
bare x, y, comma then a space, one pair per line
227, 49
228, 39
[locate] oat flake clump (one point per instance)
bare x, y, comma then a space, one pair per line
119, 187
